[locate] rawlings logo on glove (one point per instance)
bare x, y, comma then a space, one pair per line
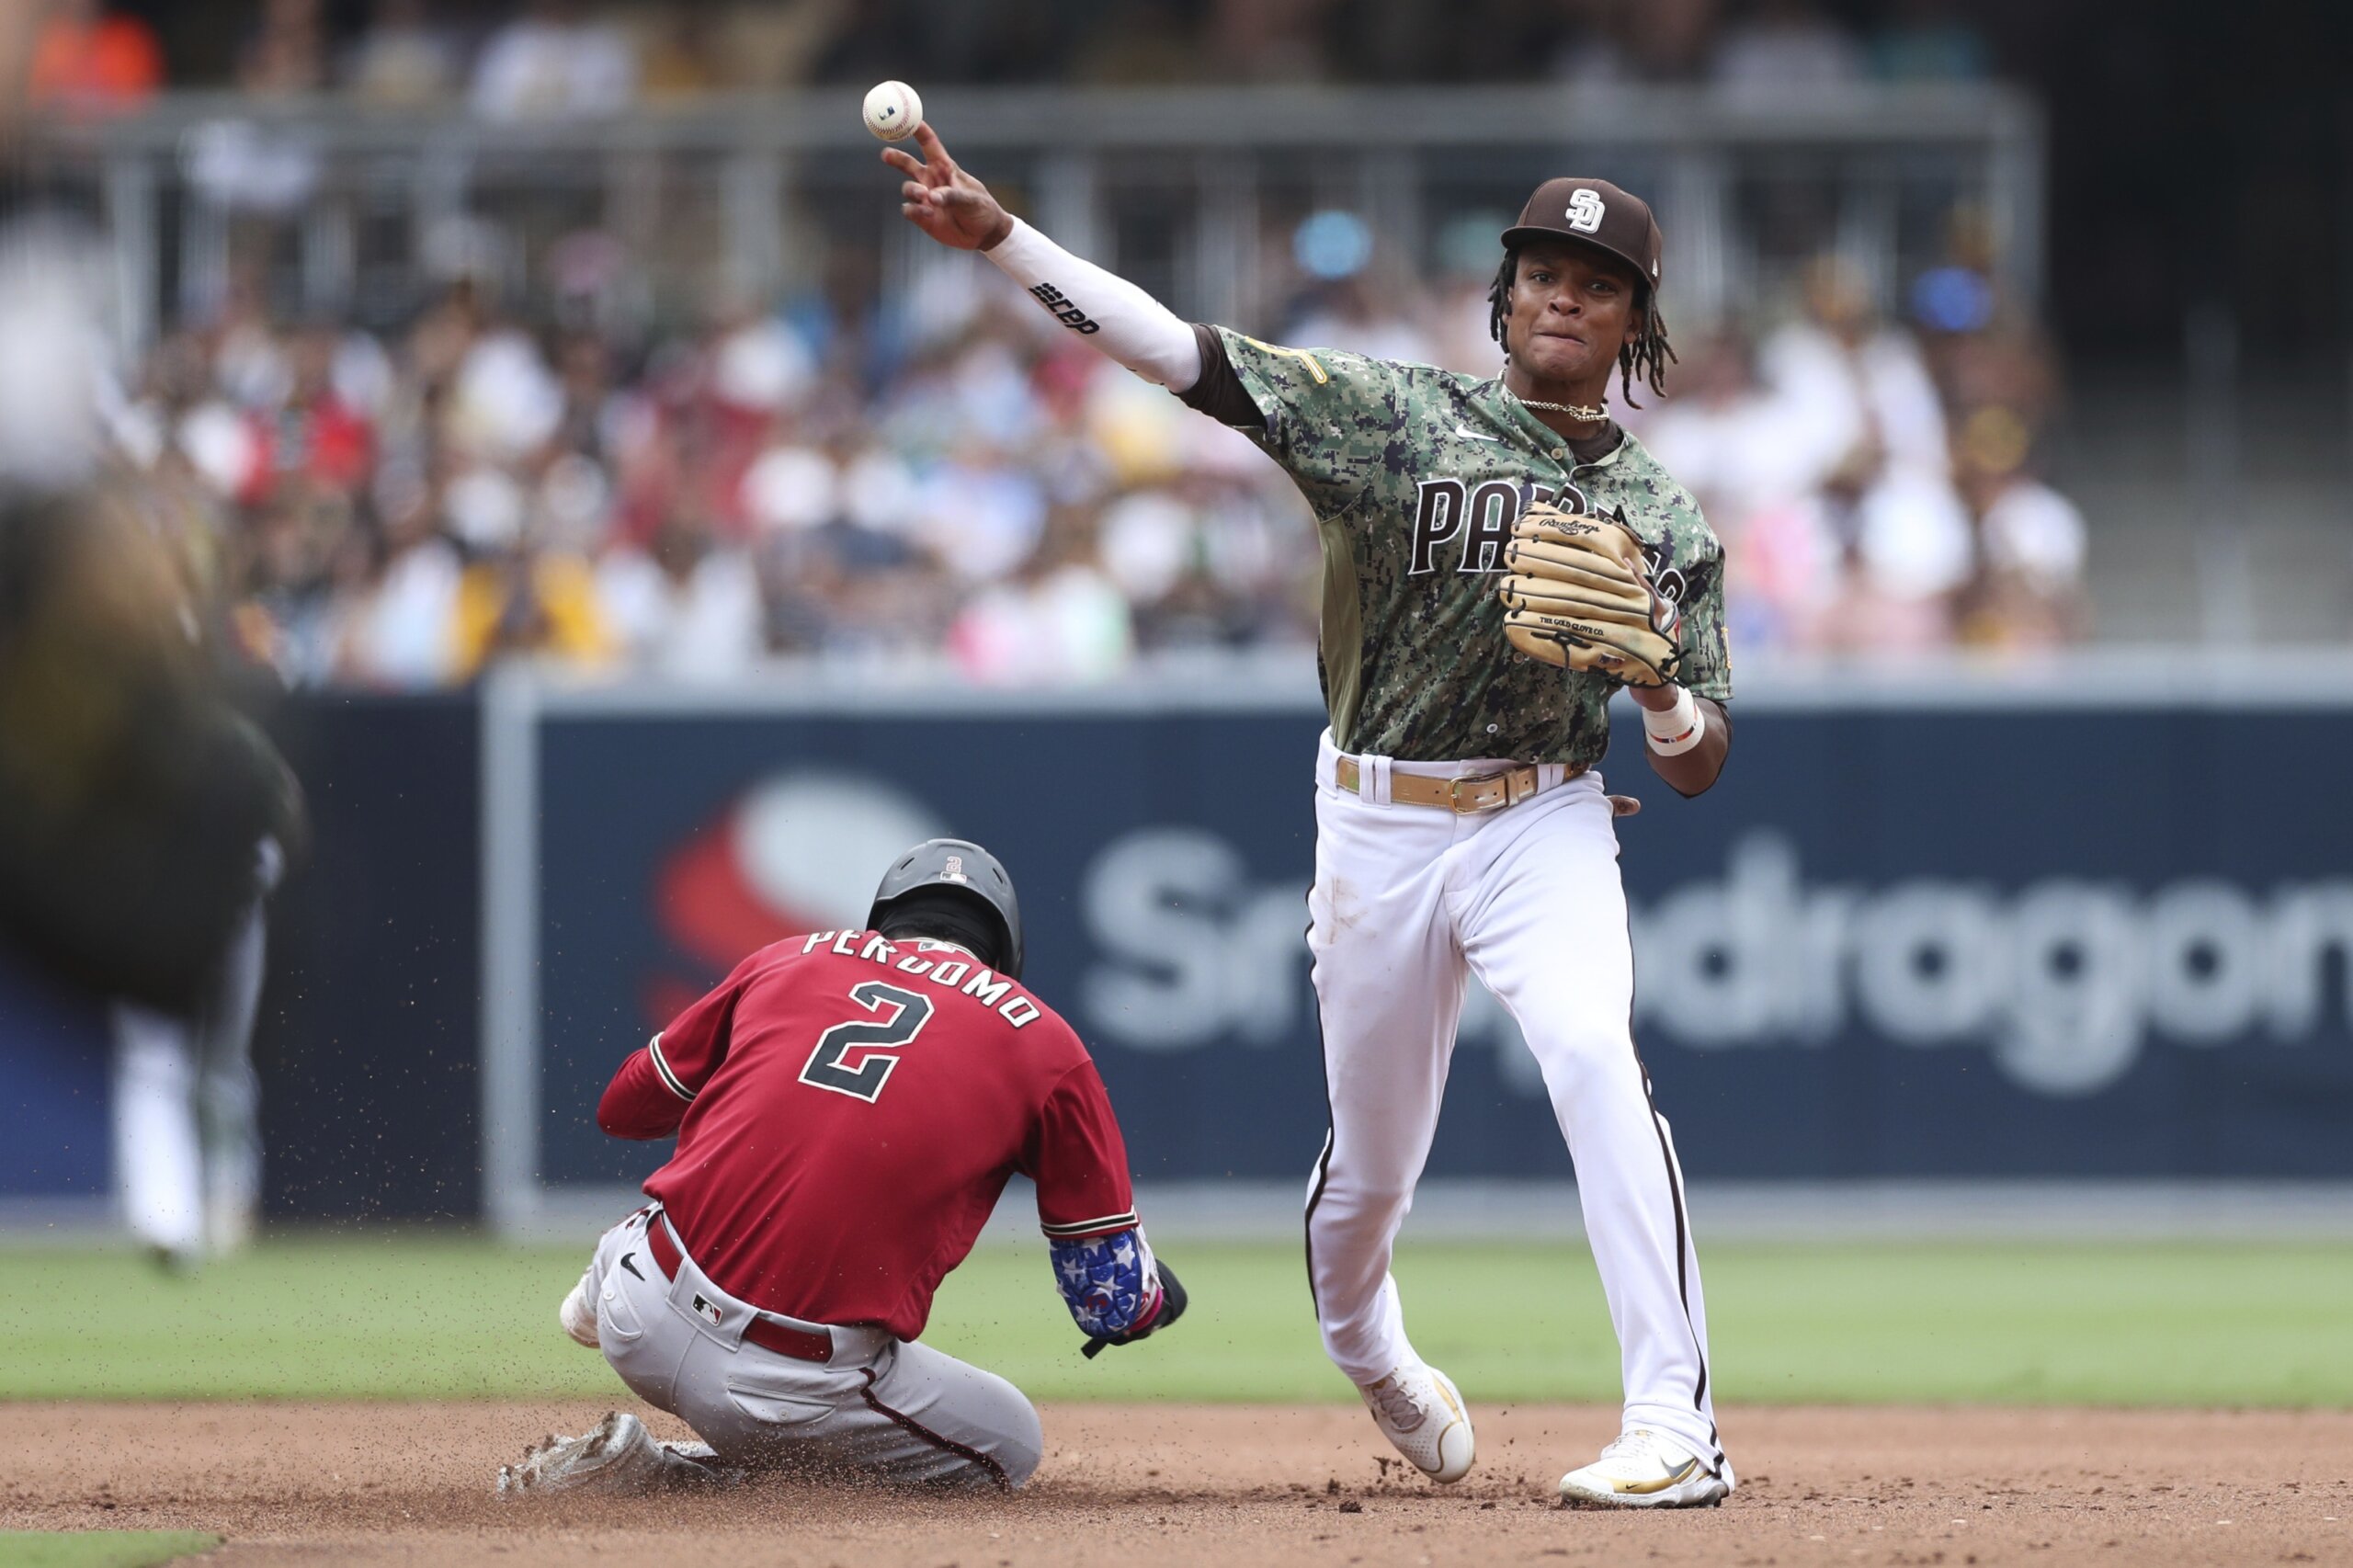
1579, 596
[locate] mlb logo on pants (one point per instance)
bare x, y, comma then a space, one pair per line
707, 1309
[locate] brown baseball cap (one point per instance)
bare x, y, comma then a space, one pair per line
1593, 212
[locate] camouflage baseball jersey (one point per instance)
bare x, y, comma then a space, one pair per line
1417, 475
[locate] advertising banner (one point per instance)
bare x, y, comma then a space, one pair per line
1949, 940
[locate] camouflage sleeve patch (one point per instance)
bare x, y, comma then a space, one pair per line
1687, 562
1332, 418
1706, 653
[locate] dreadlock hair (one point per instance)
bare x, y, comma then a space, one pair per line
1646, 351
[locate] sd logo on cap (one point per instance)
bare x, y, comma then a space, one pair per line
1594, 212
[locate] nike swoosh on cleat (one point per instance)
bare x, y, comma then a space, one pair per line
1644, 1488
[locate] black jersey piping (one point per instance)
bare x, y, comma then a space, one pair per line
1682, 1230
1331, 1122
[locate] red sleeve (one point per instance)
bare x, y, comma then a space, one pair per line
649, 1097
1079, 1160
637, 1104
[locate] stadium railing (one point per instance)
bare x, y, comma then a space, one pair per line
1175, 187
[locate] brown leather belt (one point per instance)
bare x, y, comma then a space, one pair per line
798, 1343
1464, 797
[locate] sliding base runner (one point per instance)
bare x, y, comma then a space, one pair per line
1499, 558
849, 1106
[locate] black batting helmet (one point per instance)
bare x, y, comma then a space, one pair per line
961, 865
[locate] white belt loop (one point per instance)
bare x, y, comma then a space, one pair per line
1375, 780
857, 1346
1328, 760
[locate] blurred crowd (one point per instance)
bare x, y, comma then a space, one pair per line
538, 57
870, 478
813, 479
1876, 482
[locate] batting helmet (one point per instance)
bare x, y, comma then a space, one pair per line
959, 866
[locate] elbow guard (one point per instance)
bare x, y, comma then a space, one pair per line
1111, 1283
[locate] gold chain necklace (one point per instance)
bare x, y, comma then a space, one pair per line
1593, 412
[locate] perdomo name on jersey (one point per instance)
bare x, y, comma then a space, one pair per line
976, 980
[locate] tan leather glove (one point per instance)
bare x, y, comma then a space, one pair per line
1580, 596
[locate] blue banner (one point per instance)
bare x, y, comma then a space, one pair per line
56, 1137
1954, 941
367, 1039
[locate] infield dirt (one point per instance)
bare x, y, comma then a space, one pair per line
1235, 1486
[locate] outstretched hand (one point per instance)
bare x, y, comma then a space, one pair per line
943, 200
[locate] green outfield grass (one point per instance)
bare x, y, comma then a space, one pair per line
416, 1318
101, 1549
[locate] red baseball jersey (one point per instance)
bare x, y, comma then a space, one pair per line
848, 1110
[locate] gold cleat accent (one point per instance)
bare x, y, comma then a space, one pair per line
1644, 1488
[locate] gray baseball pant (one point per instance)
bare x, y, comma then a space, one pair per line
884, 1408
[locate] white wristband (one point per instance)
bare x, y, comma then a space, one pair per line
1110, 312
1678, 729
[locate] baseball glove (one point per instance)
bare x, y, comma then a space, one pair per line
1579, 597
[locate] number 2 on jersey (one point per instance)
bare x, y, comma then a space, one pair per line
908, 1012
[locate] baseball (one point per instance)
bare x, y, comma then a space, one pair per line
892, 111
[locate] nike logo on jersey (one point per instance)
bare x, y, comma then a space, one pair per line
1470, 435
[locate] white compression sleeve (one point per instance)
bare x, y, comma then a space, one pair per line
1123, 320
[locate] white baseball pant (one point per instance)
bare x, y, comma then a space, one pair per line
187, 1107
884, 1408
1408, 903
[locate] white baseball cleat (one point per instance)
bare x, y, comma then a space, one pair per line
1418, 1408
578, 1314
618, 1457
1644, 1469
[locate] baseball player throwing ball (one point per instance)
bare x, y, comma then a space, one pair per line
1499, 557
849, 1106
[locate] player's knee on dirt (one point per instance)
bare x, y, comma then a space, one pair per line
1022, 1447
1014, 1440
965, 1458
947, 1423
